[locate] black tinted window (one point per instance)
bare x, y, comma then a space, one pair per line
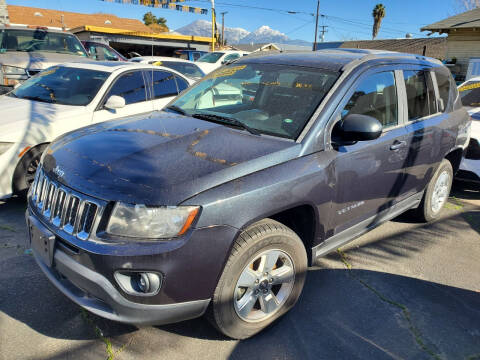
163, 84
443, 82
375, 96
130, 86
420, 96
182, 84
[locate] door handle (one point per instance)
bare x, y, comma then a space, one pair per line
398, 145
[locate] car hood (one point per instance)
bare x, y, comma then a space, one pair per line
160, 159
37, 60
26, 121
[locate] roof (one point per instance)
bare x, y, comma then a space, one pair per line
53, 18
466, 20
436, 47
158, 58
149, 35
22, 27
331, 59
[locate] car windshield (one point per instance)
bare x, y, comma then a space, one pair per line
210, 57
62, 85
470, 93
270, 99
187, 69
40, 40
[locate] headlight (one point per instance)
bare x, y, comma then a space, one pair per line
148, 222
13, 70
4, 147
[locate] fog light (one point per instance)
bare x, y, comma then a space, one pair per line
139, 283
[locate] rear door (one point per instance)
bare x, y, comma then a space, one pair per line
426, 120
369, 174
131, 86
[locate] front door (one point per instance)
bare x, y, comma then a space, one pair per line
369, 174
130, 86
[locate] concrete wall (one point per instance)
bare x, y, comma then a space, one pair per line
3, 13
462, 45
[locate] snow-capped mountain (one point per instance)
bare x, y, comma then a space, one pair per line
204, 28
263, 34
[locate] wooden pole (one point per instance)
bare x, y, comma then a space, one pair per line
213, 25
316, 27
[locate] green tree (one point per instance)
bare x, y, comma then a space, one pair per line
378, 14
149, 18
162, 21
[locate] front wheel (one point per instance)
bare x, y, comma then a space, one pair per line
27, 167
437, 192
262, 280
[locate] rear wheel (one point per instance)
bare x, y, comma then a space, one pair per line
25, 172
437, 192
262, 280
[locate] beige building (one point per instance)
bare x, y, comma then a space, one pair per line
463, 41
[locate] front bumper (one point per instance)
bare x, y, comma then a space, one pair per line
84, 272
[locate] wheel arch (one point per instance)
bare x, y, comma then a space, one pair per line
455, 157
20, 168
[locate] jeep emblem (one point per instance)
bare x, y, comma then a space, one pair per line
58, 171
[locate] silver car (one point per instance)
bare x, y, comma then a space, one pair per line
25, 52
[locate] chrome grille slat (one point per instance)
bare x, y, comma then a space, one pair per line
63, 208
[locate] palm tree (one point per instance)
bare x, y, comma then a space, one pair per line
378, 14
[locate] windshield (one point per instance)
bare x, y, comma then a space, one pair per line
40, 40
271, 99
62, 85
470, 93
187, 69
210, 57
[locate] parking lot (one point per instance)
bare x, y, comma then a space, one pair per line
404, 291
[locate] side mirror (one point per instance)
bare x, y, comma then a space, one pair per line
114, 102
356, 127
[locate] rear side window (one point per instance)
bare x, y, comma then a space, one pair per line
164, 84
375, 96
444, 84
420, 95
131, 87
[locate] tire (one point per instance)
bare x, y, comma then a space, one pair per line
25, 171
259, 245
436, 193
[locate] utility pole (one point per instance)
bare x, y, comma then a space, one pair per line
323, 31
316, 27
213, 25
223, 27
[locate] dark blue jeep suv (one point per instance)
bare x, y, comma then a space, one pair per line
218, 204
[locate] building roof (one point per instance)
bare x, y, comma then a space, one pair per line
435, 47
467, 20
53, 18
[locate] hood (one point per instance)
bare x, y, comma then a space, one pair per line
26, 121
161, 159
37, 60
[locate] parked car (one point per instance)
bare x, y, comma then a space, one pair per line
25, 52
213, 60
192, 55
220, 209
67, 97
469, 172
185, 67
99, 51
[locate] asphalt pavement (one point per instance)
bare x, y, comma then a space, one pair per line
406, 290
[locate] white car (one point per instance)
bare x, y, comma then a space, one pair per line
470, 167
185, 67
69, 96
213, 60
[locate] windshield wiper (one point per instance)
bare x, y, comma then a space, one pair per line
37, 98
226, 120
176, 109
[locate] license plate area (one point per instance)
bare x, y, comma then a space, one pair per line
42, 241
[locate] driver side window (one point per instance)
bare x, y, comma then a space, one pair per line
375, 96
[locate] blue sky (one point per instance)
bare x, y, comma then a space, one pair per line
346, 19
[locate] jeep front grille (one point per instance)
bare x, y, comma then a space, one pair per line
64, 208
